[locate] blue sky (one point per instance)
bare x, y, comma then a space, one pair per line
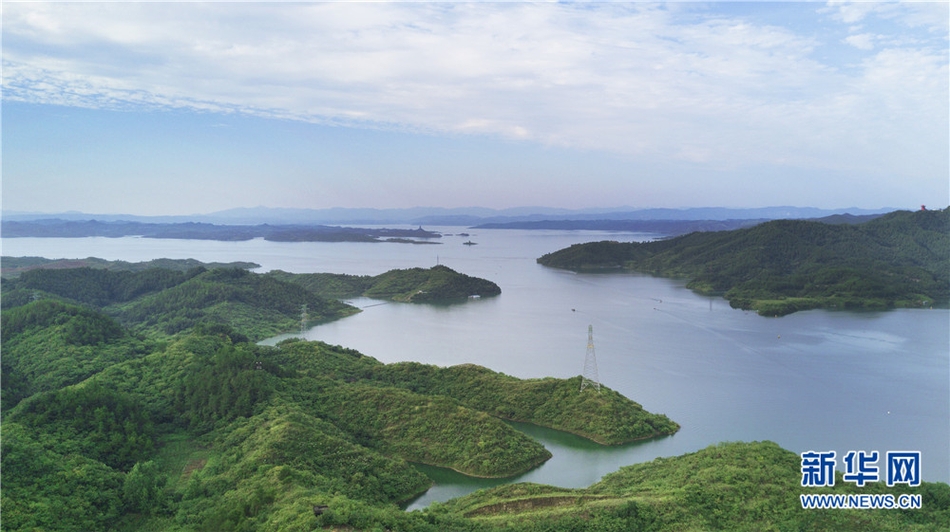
181, 108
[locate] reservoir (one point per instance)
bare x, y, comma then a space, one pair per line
816, 380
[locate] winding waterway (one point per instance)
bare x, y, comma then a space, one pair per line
815, 380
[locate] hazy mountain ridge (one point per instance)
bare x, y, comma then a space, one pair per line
464, 216
665, 227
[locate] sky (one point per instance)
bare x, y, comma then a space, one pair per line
176, 108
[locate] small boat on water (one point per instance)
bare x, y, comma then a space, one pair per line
469, 243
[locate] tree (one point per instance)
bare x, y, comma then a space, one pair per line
143, 488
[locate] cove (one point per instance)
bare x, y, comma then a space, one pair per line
576, 463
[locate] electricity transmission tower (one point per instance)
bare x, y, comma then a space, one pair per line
590, 378
303, 320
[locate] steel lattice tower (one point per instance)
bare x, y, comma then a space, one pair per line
303, 320
590, 378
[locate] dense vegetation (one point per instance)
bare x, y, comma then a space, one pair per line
48, 345
730, 486
418, 285
171, 301
898, 260
152, 298
12, 267
605, 417
108, 424
207, 431
94, 421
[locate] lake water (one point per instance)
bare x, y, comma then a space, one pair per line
815, 380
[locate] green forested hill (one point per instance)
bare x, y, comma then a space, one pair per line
48, 345
170, 301
900, 259
547, 402
92, 286
204, 430
418, 285
148, 297
13, 266
255, 304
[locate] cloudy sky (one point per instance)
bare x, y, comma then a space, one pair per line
180, 108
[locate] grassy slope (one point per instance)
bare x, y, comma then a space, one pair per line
432, 430
735, 486
420, 427
605, 417
901, 259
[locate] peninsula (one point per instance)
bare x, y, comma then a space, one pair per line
901, 259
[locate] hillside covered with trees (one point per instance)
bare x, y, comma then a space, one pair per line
173, 296
165, 301
111, 420
901, 259
12, 267
205, 430
439, 284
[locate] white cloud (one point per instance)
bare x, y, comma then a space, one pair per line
929, 14
852, 12
634, 79
861, 41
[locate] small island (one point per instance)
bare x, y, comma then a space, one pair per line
783, 266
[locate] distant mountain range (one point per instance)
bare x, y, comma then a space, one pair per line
470, 216
664, 227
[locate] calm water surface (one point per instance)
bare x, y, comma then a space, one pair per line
814, 380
